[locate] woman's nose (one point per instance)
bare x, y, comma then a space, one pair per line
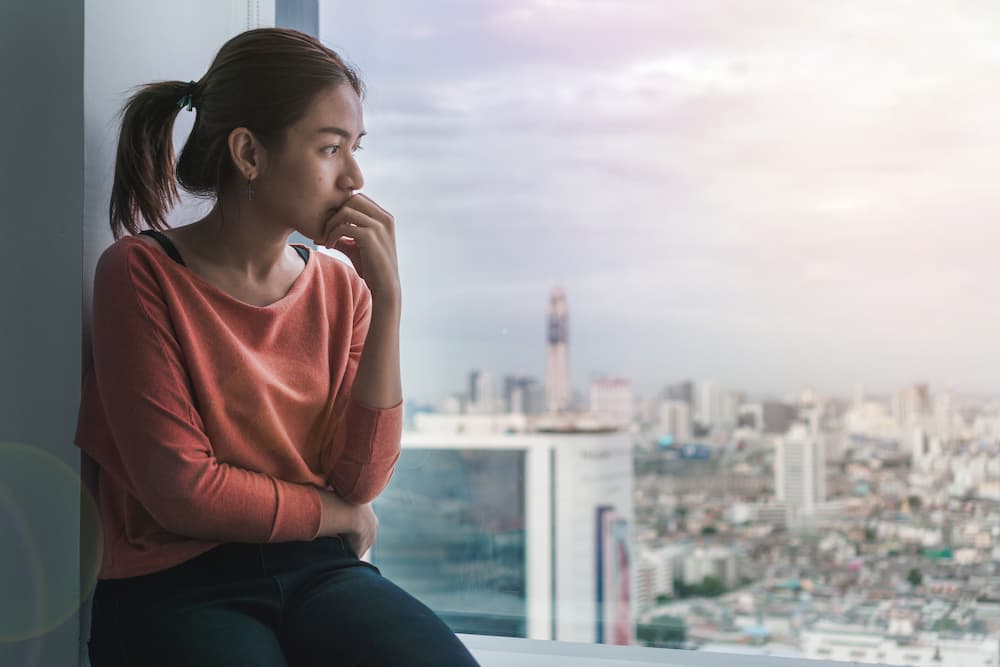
352, 178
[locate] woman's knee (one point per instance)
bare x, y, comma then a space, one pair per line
357, 614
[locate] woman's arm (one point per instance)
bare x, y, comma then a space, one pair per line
366, 442
377, 383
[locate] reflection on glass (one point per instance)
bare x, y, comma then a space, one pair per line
451, 533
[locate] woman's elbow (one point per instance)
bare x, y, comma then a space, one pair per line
368, 485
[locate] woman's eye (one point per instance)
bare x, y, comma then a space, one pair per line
356, 149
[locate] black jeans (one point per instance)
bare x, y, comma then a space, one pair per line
295, 604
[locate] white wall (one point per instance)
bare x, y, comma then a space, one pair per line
66, 67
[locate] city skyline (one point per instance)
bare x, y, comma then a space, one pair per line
770, 195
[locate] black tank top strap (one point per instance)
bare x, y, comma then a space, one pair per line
176, 256
165, 242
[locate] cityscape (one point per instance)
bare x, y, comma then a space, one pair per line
863, 528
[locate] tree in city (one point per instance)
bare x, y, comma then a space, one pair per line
945, 624
708, 587
662, 631
915, 577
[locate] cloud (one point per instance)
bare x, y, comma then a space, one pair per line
786, 175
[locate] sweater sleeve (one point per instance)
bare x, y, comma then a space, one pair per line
366, 444
166, 458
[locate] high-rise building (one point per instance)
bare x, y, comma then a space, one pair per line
944, 416
714, 407
680, 391
704, 562
675, 421
557, 378
611, 398
473, 390
778, 416
657, 571
523, 394
912, 406
521, 535
704, 406
481, 393
533, 394
925, 448
800, 472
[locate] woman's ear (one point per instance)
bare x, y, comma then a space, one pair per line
247, 153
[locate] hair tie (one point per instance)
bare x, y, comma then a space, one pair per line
188, 98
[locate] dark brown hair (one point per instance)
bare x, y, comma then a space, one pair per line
262, 79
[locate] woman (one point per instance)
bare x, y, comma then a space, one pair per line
244, 405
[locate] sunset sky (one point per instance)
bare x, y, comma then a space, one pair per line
765, 194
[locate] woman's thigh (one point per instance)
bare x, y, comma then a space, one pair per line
355, 617
210, 628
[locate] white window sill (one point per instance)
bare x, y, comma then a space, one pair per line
515, 652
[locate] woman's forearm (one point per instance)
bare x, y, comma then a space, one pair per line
377, 383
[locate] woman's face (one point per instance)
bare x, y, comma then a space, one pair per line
318, 170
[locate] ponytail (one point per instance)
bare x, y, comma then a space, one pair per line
144, 182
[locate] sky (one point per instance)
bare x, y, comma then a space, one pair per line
766, 194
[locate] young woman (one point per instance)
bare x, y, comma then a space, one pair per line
244, 405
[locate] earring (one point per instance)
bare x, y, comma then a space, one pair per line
249, 189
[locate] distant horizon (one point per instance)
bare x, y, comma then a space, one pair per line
958, 395
773, 195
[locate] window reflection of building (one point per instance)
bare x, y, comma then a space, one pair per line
452, 534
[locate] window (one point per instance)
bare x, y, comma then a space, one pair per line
697, 304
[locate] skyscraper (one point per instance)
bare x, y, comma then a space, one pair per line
800, 471
557, 381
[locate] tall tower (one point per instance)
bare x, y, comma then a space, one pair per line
557, 384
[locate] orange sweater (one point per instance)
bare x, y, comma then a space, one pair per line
214, 420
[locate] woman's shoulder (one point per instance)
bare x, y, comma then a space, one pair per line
119, 250
122, 245
338, 267
130, 259
147, 239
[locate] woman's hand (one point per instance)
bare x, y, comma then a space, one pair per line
366, 233
362, 537
356, 525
